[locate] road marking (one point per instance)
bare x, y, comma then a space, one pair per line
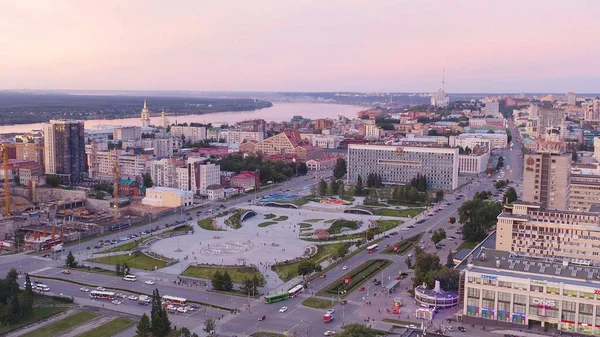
40, 270
41, 258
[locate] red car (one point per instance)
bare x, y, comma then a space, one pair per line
361, 288
66, 272
262, 318
323, 276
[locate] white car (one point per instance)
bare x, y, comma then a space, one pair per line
101, 289
116, 302
330, 311
329, 333
188, 308
412, 326
133, 298
84, 289
345, 268
150, 282
283, 309
182, 310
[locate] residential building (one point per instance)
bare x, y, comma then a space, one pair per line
492, 108
245, 180
145, 116
571, 98
101, 162
215, 192
190, 134
584, 191
163, 147
399, 164
249, 147
489, 140
546, 177
372, 130
321, 140
482, 122
167, 197
239, 136
28, 174
281, 143
323, 163
64, 149
307, 152
549, 118
129, 188
127, 133
206, 173
163, 172
591, 109
473, 163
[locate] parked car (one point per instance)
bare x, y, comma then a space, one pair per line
362, 288
329, 333
283, 309
66, 272
345, 268
133, 298
343, 302
462, 329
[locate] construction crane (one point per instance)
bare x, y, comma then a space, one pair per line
115, 186
5, 147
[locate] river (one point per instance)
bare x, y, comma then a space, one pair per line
278, 112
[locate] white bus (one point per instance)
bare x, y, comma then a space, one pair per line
372, 248
174, 300
103, 295
295, 291
42, 287
131, 278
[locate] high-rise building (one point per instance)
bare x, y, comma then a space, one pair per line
64, 149
191, 134
591, 110
439, 98
145, 116
546, 176
492, 108
549, 118
571, 98
127, 133
400, 164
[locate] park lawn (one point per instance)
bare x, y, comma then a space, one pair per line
337, 226
305, 225
39, 313
289, 271
405, 204
402, 213
313, 220
405, 245
468, 245
109, 329
137, 260
125, 247
386, 225
266, 334
270, 216
267, 223
359, 275
281, 218
328, 221
238, 274
63, 325
318, 303
207, 225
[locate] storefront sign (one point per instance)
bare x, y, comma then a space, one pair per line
542, 283
489, 277
597, 291
544, 303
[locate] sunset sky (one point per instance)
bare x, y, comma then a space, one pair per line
285, 45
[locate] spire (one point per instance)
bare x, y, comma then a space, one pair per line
444, 79
144, 103
163, 113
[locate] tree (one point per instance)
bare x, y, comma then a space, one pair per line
147, 180
52, 180
510, 195
358, 188
450, 260
452, 220
217, 280
357, 330
306, 267
372, 198
250, 285
370, 234
209, 326
370, 180
426, 267
500, 184
439, 196
341, 251
341, 190
227, 283
70, 261
160, 323
408, 262
118, 270
478, 218
332, 187
574, 156
302, 169
143, 327
13, 311
322, 187
340, 168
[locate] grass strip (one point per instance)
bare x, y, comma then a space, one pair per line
109, 329
318, 303
313, 220
267, 223
137, 260
359, 275
237, 274
63, 325
207, 224
288, 271
405, 245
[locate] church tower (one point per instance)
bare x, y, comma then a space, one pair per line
164, 122
145, 116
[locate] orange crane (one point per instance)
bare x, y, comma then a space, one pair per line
5, 147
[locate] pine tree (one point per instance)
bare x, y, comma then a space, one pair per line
209, 326
14, 312
70, 261
143, 327
322, 187
358, 188
227, 283
118, 269
217, 280
341, 191
160, 323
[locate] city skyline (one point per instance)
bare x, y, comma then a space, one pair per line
510, 46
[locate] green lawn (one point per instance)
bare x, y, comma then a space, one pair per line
403, 213
270, 216
305, 225
289, 271
359, 275
238, 274
281, 218
329, 221
386, 225
63, 325
207, 224
125, 247
318, 303
266, 334
337, 226
313, 220
137, 260
404, 245
468, 245
40, 312
405, 204
109, 329
267, 223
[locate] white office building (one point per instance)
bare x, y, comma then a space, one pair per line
473, 163
321, 140
472, 140
399, 164
238, 136
127, 133
191, 134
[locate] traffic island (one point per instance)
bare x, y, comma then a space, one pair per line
237, 274
319, 303
136, 260
287, 270
404, 246
343, 286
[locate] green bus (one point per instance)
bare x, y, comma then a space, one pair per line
277, 297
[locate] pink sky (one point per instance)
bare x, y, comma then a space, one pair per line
281, 45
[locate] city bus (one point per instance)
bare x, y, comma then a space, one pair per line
50, 243
372, 248
277, 297
119, 226
295, 291
103, 295
174, 300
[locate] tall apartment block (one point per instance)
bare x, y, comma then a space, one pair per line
64, 149
399, 164
546, 179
